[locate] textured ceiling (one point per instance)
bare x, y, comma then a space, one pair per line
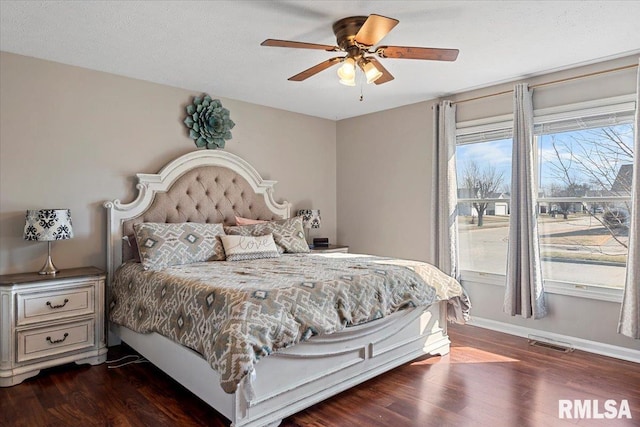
214, 46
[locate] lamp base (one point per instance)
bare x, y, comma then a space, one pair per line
48, 267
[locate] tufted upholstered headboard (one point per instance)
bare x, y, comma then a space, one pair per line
208, 186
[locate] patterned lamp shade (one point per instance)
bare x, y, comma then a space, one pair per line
310, 218
48, 225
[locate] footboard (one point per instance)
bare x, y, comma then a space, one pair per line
308, 373
296, 378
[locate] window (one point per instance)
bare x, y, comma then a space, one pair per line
584, 156
484, 176
585, 183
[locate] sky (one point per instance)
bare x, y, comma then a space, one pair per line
485, 154
588, 146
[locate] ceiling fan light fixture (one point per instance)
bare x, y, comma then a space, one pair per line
347, 72
357, 36
371, 72
351, 82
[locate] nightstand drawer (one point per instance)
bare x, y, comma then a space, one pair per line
53, 340
49, 305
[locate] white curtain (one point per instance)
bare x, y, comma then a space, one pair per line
630, 312
524, 291
444, 201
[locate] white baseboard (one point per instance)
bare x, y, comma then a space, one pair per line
615, 351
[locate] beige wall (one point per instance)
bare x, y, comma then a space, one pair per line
73, 138
384, 181
384, 189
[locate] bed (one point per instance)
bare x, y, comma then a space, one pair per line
322, 359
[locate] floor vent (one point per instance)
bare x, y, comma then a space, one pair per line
544, 342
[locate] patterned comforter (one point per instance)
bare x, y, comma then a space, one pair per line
234, 313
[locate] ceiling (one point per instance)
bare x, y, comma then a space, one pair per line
214, 47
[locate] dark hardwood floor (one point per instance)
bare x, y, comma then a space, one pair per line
488, 379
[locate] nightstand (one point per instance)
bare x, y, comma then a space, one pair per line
330, 248
48, 320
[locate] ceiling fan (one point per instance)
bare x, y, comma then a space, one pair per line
356, 35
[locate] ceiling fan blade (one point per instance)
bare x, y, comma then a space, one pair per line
374, 29
315, 69
406, 52
299, 45
386, 75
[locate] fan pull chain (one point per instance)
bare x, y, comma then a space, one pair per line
361, 86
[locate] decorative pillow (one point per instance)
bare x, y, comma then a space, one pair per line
250, 230
248, 221
287, 233
239, 248
162, 245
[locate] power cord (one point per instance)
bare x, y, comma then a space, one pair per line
136, 359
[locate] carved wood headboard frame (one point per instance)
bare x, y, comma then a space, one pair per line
152, 187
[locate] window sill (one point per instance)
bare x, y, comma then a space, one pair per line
600, 293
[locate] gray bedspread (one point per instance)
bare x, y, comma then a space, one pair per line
234, 313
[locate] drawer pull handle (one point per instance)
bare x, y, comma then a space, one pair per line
66, 300
66, 334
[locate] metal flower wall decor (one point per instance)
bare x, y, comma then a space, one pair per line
209, 122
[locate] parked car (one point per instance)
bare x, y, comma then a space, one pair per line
616, 218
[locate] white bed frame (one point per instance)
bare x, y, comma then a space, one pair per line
290, 380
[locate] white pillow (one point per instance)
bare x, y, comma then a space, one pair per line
240, 248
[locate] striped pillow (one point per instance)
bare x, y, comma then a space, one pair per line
240, 248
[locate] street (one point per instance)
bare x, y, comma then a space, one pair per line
578, 250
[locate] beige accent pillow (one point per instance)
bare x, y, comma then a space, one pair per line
164, 244
240, 248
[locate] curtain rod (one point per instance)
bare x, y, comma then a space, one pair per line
553, 82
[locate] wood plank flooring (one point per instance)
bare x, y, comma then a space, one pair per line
488, 379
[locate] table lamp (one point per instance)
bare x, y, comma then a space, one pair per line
46, 225
310, 219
